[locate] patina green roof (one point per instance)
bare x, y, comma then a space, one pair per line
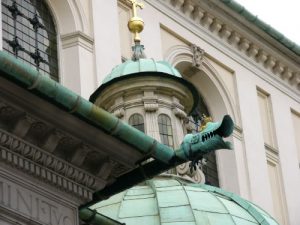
262, 25
141, 66
168, 201
144, 67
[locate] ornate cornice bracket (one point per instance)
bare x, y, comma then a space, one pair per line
198, 55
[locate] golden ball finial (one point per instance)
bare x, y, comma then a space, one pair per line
136, 26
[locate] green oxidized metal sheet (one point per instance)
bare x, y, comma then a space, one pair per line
111, 211
194, 189
241, 221
171, 188
236, 210
176, 214
145, 220
132, 197
145, 206
219, 219
205, 201
166, 183
112, 200
172, 198
169, 202
179, 223
139, 191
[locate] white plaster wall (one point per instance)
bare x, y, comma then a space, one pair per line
99, 18
287, 150
106, 36
250, 151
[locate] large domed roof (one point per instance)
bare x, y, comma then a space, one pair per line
169, 201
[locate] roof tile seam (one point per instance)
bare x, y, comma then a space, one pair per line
127, 217
225, 208
187, 196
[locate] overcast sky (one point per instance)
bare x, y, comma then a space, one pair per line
284, 16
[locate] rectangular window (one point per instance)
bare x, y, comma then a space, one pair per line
296, 124
275, 180
266, 116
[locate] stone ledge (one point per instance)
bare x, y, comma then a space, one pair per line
193, 11
42, 165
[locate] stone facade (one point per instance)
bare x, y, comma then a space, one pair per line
237, 68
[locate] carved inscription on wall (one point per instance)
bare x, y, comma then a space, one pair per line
34, 206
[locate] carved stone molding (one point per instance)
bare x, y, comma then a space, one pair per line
150, 107
198, 55
194, 11
197, 176
179, 113
189, 126
119, 113
33, 160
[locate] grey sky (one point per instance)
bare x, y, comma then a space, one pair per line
284, 16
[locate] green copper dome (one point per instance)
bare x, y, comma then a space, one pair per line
141, 66
169, 201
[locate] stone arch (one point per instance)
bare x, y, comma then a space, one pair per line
69, 16
206, 79
218, 101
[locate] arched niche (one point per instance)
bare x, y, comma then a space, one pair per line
218, 101
207, 81
69, 16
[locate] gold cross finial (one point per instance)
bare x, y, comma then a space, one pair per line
135, 5
136, 24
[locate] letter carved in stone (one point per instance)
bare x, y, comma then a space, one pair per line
30, 204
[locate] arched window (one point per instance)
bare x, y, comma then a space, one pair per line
137, 121
29, 34
210, 168
165, 130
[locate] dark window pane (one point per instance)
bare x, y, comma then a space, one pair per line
137, 121
165, 130
31, 34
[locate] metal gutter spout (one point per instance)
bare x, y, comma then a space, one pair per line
91, 217
193, 148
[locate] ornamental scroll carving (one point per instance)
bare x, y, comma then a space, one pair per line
196, 176
179, 113
198, 55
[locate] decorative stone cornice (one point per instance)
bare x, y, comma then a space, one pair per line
33, 160
77, 39
53, 155
195, 12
